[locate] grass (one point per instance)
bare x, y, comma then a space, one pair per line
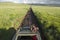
11, 15
50, 19
49, 14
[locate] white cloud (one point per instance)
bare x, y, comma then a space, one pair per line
33, 1
8, 0
16, 1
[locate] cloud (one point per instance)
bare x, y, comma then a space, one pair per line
14, 1
5, 0
33, 1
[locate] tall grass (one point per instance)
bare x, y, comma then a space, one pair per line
11, 16
50, 19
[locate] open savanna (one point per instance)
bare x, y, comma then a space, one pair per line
11, 16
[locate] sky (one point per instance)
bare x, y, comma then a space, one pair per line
33, 1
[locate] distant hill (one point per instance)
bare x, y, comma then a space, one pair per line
56, 5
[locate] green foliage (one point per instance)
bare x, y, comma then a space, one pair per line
48, 14
11, 16
50, 19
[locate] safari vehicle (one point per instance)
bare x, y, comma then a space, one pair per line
24, 33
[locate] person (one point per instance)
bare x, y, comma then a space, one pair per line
34, 37
34, 28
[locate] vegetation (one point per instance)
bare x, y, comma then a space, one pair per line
11, 16
49, 17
